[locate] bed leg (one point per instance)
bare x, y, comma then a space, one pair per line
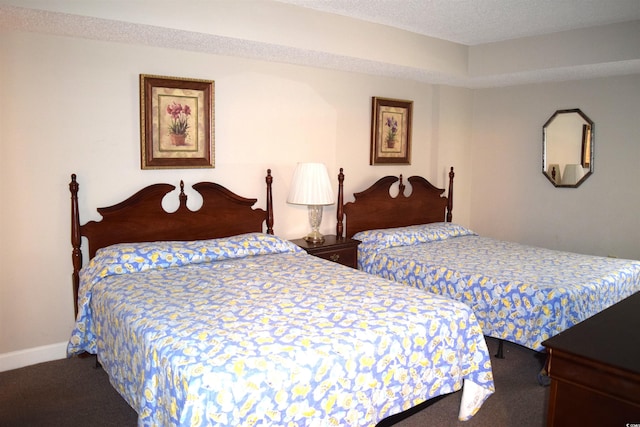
543, 378
500, 353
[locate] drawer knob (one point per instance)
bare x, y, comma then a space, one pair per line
334, 257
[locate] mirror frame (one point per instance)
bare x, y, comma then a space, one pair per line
587, 160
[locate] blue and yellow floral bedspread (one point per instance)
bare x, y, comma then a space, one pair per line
250, 330
520, 293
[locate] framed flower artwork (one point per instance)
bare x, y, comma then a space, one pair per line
390, 131
176, 122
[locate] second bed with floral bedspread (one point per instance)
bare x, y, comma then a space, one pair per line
519, 293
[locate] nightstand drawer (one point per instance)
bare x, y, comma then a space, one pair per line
346, 256
342, 251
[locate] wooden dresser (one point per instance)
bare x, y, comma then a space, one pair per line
595, 369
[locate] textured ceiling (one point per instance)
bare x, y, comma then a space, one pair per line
468, 22
473, 22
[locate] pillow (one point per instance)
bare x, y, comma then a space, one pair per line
410, 235
123, 258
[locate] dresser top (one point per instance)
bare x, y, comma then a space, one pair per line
611, 336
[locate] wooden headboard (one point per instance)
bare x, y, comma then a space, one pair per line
141, 218
374, 207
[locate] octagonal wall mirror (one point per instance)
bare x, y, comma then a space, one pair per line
567, 148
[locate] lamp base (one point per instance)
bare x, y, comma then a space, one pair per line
315, 218
314, 237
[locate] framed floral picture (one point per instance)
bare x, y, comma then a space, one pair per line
390, 131
176, 122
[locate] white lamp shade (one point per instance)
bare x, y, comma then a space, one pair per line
572, 174
310, 185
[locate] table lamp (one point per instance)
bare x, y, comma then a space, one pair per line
311, 186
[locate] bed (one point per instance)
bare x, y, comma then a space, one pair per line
207, 318
519, 293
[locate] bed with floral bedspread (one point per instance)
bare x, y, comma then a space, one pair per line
519, 293
250, 330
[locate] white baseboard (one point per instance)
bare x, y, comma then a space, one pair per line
31, 356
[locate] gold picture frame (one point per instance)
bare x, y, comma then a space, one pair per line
391, 131
176, 122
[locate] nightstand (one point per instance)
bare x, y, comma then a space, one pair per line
340, 250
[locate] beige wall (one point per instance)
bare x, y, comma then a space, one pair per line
511, 199
74, 109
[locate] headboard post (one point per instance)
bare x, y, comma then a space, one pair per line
450, 196
182, 197
340, 211
269, 181
76, 253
